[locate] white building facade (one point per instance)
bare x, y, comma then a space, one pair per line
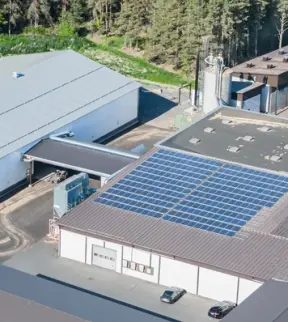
155, 268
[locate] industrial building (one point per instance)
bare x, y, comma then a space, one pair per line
267, 304
28, 298
46, 94
205, 210
258, 85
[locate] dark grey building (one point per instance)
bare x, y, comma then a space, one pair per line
268, 304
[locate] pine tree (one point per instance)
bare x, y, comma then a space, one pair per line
39, 10
134, 20
13, 10
282, 20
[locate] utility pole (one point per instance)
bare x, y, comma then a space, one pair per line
197, 78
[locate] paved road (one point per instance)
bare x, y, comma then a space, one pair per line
24, 226
42, 259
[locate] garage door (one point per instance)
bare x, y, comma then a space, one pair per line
104, 257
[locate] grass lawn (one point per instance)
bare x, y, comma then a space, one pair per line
108, 55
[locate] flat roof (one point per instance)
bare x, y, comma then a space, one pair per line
90, 159
56, 89
269, 303
256, 153
48, 298
259, 66
258, 251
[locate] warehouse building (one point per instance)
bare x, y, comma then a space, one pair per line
205, 210
46, 94
28, 298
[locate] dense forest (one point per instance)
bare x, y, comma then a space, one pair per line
168, 31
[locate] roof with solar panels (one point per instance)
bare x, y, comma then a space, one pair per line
204, 209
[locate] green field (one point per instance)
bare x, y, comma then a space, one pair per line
106, 54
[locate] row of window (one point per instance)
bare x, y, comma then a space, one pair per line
104, 257
138, 267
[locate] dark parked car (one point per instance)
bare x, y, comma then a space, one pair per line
172, 295
221, 309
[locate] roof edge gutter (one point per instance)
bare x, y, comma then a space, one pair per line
94, 146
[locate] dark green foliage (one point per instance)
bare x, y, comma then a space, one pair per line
168, 31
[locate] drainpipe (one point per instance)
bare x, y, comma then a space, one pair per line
94, 146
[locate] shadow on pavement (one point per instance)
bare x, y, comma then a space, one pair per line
152, 105
106, 298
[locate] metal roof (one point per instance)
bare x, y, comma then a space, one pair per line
52, 93
216, 145
255, 252
14, 308
269, 303
79, 157
259, 66
70, 300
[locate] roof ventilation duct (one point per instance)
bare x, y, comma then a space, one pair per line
17, 75
195, 141
264, 129
285, 59
281, 51
209, 130
266, 58
275, 158
249, 65
226, 121
270, 66
248, 138
234, 149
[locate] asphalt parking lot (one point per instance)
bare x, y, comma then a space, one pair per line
42, 259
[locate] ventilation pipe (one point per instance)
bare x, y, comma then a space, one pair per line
60, 137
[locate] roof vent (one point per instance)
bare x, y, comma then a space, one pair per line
266, 58
270, 66
248, 138
264, 129
209, 130
281, 51
275, 158
285, 59
286, 147
234, 149
17, 75
226, 121
249, 65
195, 141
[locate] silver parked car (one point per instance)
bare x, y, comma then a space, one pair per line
172, 295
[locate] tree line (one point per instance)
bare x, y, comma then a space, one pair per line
169, 31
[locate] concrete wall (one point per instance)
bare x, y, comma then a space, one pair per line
166, 271
87, 128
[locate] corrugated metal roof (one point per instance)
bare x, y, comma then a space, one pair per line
76, 302
53, 93
267, 304
94, 161
252, 253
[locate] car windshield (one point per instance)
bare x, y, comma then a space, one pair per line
168, 293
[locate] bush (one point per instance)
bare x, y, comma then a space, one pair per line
31, 30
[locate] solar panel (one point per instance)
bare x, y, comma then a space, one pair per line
196, 192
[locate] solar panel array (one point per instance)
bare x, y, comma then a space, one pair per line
196, 192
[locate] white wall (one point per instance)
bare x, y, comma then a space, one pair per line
87, 128
141, 257
107, 118
217, 286
72, 246
246, 288
179, 274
